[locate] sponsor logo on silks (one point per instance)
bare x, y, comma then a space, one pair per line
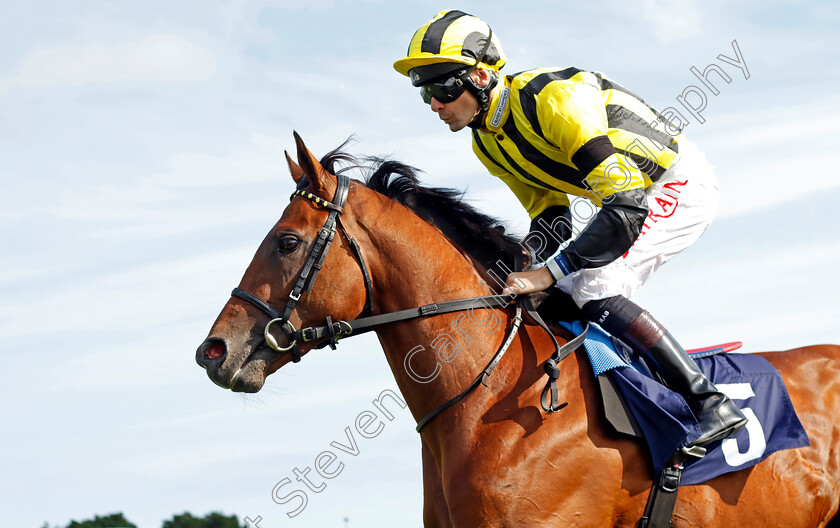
666, 206
500, 109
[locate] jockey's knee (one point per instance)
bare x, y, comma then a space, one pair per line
613, 314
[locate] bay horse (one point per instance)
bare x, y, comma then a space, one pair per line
493, 459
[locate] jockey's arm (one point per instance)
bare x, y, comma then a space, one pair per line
608, 236
577, 123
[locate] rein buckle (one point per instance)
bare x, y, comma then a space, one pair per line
308, 334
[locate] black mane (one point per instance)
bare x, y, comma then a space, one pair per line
479, 235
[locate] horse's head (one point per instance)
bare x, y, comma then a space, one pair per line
308, 242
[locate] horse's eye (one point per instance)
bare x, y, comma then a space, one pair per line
289, 243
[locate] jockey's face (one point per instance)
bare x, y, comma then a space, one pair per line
460, 112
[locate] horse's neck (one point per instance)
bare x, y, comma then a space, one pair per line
419, 266
447, 352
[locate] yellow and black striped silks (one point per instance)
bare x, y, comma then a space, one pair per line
452, 36
572, 131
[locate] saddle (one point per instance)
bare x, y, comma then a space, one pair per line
637, 403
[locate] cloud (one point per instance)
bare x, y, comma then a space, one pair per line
757, 154
261, 160
112, 202
152, 59
129, 298
673, 19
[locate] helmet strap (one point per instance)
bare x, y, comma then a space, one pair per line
482, 93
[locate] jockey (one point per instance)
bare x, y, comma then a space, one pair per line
554, 132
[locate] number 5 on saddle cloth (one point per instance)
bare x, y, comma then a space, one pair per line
638, 405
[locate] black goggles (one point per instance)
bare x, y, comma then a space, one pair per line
444, 91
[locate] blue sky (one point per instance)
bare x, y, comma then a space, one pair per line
141, 162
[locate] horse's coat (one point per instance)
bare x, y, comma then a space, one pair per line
495, 460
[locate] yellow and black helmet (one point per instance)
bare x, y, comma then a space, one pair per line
449, 40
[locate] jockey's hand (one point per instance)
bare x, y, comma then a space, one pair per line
528, 281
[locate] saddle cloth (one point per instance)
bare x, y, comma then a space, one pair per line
667, 423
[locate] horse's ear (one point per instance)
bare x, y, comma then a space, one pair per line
294, 168
318, 176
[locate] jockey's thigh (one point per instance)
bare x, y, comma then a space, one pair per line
682, 205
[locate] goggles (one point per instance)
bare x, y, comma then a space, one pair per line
444, 91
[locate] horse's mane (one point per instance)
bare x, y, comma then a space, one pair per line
481, 236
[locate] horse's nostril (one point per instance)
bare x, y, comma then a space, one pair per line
215, 350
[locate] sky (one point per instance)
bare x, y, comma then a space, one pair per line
141, 163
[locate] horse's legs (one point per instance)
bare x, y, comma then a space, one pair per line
435, 511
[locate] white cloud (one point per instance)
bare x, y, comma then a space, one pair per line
10, 276
112, 202
130, 299
673, 19
152, 59
758, 154
188, 459
259, 161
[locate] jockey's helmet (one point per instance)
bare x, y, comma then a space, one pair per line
447, 43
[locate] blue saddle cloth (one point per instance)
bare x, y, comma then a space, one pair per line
668, 423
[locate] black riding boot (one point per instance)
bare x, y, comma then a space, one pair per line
717, 415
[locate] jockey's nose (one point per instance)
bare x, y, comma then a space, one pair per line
437, 106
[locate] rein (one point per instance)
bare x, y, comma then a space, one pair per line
339, 329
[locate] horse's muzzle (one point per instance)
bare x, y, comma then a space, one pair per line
211, 353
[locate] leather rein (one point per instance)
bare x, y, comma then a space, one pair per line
335, 330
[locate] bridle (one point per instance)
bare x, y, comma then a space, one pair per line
308, 274
338, 329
